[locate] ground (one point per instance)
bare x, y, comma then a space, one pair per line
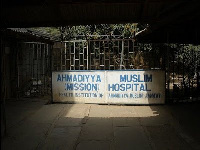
33, 124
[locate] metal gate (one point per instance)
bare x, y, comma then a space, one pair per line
33, 69
104, 54
183, 68
180, 61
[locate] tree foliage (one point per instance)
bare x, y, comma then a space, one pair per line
92, 31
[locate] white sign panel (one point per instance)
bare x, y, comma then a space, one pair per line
109, 87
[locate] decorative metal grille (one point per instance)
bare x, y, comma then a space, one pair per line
94, 55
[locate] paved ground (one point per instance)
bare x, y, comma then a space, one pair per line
34, 125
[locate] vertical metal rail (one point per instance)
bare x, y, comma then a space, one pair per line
3, 92
18, 76
80, 46
65, 55
133, 52
184, 87
74, 56
43, 68
99, 54
159, 62
198, 72
154, 57
168, 71
24, 64
33, 61
178, 64
70, 57
49, 56
173, 69
29, 57
39, 69
122, 55
87, 55
128, 53
29, 60
79, 55
57, 62
109, 56
37, 64
193, 64
51, 70
61, 50
104, 58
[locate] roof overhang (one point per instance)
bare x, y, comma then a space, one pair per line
169, 16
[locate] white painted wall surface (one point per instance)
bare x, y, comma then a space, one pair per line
110, 87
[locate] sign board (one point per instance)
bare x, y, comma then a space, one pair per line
109, 87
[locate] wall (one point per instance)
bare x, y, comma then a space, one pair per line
117, 87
